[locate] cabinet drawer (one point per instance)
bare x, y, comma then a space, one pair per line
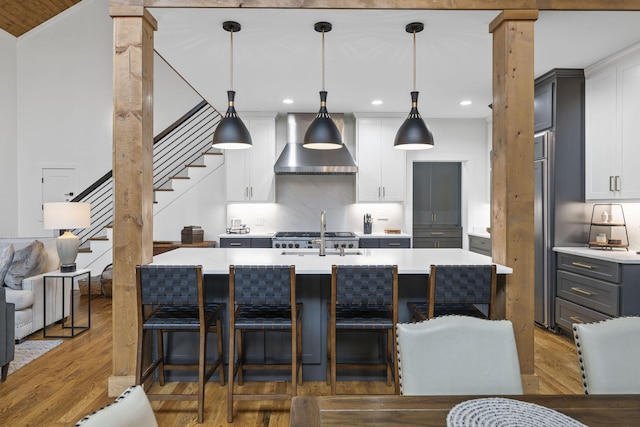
437, 233
400, 242
591, 293
568, 313
480, 245
603, 270
235, 243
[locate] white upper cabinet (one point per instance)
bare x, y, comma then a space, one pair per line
612, 127
250, 176
381, 168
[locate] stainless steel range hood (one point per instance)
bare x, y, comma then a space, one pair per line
297, 160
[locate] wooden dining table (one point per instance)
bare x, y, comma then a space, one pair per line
392, 410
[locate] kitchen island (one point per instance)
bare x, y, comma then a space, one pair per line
313, 279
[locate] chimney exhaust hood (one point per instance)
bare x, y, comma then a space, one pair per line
297, 160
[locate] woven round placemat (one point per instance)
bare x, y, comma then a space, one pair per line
501, 412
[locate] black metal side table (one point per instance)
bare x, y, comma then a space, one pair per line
67, 279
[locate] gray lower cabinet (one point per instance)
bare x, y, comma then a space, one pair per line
481, 245
590, 290
385, 242
437, 237
245, 242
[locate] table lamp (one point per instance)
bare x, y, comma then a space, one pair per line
65, 216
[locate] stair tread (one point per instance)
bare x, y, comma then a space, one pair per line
196, 166
179, 177
99, 238
163, 189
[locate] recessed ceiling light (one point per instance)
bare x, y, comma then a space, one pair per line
287, 101
376, 102
465, 102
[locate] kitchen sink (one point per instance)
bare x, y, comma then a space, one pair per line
315, 253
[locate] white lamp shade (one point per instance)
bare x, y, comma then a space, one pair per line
66, 215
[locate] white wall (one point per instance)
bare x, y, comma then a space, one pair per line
8, 135
64, 103
64, 78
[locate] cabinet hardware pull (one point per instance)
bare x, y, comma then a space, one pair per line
384, 192
579, 264
576, 319
394, 244
437, 233
617, 182
611, 183
235, 244
378, 192
581, 291
251, 192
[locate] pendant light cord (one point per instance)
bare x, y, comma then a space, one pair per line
231, 61
414, 60
323, 59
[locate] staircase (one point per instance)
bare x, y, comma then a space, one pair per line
182, 157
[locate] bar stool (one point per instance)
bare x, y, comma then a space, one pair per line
171, 298
364, 298
456, 289
262, 298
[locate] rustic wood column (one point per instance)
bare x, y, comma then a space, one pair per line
512, 175
133, 179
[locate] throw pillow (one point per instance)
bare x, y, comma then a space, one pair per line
28, 261
6, 256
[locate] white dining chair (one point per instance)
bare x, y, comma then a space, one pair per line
609, 355
130, 409
458, 355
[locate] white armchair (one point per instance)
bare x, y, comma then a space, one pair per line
130, 409
609, 354
458, 355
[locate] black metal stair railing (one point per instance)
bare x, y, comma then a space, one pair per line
174, 149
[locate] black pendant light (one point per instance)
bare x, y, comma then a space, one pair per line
231, 133
322, 133
414, 134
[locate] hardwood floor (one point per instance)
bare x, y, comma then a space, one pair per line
70, 381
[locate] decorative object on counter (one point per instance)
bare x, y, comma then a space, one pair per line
322, 133
231, 132
65, 216
192, 234
606, 231
237, 227
368, 223
414, 134
392, 231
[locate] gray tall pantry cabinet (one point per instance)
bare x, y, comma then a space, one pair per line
436, 205
559, 184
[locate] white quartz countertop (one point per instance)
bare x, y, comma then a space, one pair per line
307, 261
382, 235
617, 255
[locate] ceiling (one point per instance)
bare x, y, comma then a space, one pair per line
277, 54
18, 17
368, 55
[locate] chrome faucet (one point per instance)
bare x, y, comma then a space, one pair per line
323, 229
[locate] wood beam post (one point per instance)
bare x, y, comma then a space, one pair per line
133, 29
512, 175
